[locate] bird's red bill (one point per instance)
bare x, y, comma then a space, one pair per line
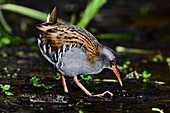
117, 74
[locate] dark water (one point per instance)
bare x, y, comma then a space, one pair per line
151, 32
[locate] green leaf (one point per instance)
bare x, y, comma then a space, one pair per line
154, 59
5, 69
168, 61
4, 23
145, 74
145, 80
117, 36
80, 111
58, 77
27, 12
73, 19
37, 83
8, 93
90, 11
34, 79
70, 105
122, 49
19, 53
128, 62
34, 47
13, 40
6, 87
1, 86
5, 41
86, 77
47, 87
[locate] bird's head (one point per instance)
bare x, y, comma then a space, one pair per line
109, 59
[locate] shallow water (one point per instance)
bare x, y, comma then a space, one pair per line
140, 97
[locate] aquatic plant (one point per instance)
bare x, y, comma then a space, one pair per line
57, 76
90, 11
87, 15
38, 83
86, 77
5, 89
145, 75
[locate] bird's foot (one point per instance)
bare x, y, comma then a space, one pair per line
102, 94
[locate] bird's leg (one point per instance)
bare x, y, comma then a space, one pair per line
87, 92
64, 83
81, 86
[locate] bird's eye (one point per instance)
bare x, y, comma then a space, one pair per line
113, 62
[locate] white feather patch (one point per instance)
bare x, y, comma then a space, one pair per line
48, 18
39, 41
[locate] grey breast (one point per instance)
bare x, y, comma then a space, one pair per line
74, 62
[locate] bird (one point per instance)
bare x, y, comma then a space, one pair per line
74, 51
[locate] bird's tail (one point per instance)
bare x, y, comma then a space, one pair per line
52, 17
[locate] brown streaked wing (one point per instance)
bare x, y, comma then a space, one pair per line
60, 34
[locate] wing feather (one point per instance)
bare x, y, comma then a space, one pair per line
57, 35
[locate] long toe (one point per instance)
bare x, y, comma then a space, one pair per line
103, 94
